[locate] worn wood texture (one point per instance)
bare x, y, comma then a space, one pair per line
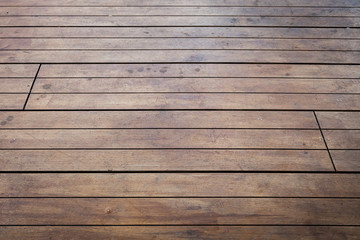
342, 139
346, 160
12, 102
165, 160
339, 120
161, 138
223, 101
175, 211
159, 119
182, 232
180, 185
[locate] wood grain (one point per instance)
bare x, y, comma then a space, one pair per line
12, 102
175, 211
181, 232
18, 70
196, 85
223, 101
15, 85
266, 3
199, 70
346, 160
342, 139
339, 120
165, 160
183, 32
161, 138
159, 119
178, 43
177, 21
180, 185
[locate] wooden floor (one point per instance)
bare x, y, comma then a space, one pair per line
179, 119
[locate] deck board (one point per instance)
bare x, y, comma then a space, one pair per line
179, 119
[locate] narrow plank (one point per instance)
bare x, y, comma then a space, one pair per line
242, 3
180, 185
195, 85
165, 160
339, 120
181, 232
18, 70
159, 119
161, 138
342, 139
169, 56
346, 160
15, 85
151, 21
183, 32
178, 43
195, 101
180, 11
12, 102
200, 70
172, 211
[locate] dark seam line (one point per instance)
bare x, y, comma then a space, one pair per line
176, 26
323, 137
182, 197
189, 110
32, 85
325, 172
182, 225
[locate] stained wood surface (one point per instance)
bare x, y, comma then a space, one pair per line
175, 211
167, 160
179, 185
181, 119
161, 138
159, 119
223, 101
182, 232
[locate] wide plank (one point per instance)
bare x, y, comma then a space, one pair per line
175, 56
346, 160
165, 160
18, 70
209, 101
161, 138
179, 211
200, 70
15, 85
157, 3
180, 232
11, 102
182, 32
342, 139
180, 11
159, 119
178, 21
179, 185
196, 85
339, 120
178, 43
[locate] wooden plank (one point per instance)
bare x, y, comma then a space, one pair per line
222, 101
180, 11
168, 56
12, 102
342, 139
199, 70
339, 120
18, 70
183, 32
159, 119
346, 160
266, 3
151, 21
175, 211
161, 138
165, 160
179, 185
15, 85
195, 85
181, 232
178, 43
